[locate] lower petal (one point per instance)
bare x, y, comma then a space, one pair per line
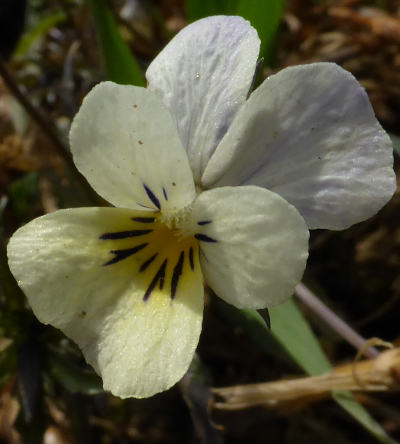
95, 274
253, 245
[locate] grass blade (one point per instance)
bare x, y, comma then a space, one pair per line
120, 64
38, 31
265, 16
197, 9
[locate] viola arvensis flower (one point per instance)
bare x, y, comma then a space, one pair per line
126, 283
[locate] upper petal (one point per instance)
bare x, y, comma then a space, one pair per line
203, 75
309, 133
253, 245
87, 271
125, 143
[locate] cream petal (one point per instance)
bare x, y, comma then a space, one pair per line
309, 133
125, 143
82, 275
253, 245
203, 76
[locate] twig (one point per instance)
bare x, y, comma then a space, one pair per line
338, 325
380, 374
46, 126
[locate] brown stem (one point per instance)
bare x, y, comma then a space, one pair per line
46, 126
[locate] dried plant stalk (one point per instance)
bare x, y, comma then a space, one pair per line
380, 374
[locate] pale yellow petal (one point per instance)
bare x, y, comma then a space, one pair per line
89, 272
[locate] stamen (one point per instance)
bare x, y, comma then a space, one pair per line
152, 196
204, 238
204, 222
160, 275
177, 274
165, 193
148, 262
124, 234
123, 254
179, 221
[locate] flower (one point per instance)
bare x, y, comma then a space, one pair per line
205, 185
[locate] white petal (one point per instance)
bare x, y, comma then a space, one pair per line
123, 139
309, 134
260, 248
138, 347
203, 75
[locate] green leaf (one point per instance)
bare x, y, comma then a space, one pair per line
22, 196
293, 332
254, 326
197, 9
358, 412
265, 16
396, 143
120, 64
38, 31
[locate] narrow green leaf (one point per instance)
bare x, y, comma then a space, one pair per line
265, 16
33, 35
358, 412
120, 64
254, 326
197, 9
293, 332
396, 143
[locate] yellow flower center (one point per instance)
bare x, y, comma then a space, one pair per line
179, 222
156, 249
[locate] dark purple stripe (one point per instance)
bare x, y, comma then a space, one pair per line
144, 220
124, 234
191, 258
177, 274
152, 196
123, 254
148, 262
159, 276
204, 237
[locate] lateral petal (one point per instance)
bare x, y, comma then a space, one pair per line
253, 245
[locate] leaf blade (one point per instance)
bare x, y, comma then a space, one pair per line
120, 64
265, 16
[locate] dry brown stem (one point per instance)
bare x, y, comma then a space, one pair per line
380, 374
